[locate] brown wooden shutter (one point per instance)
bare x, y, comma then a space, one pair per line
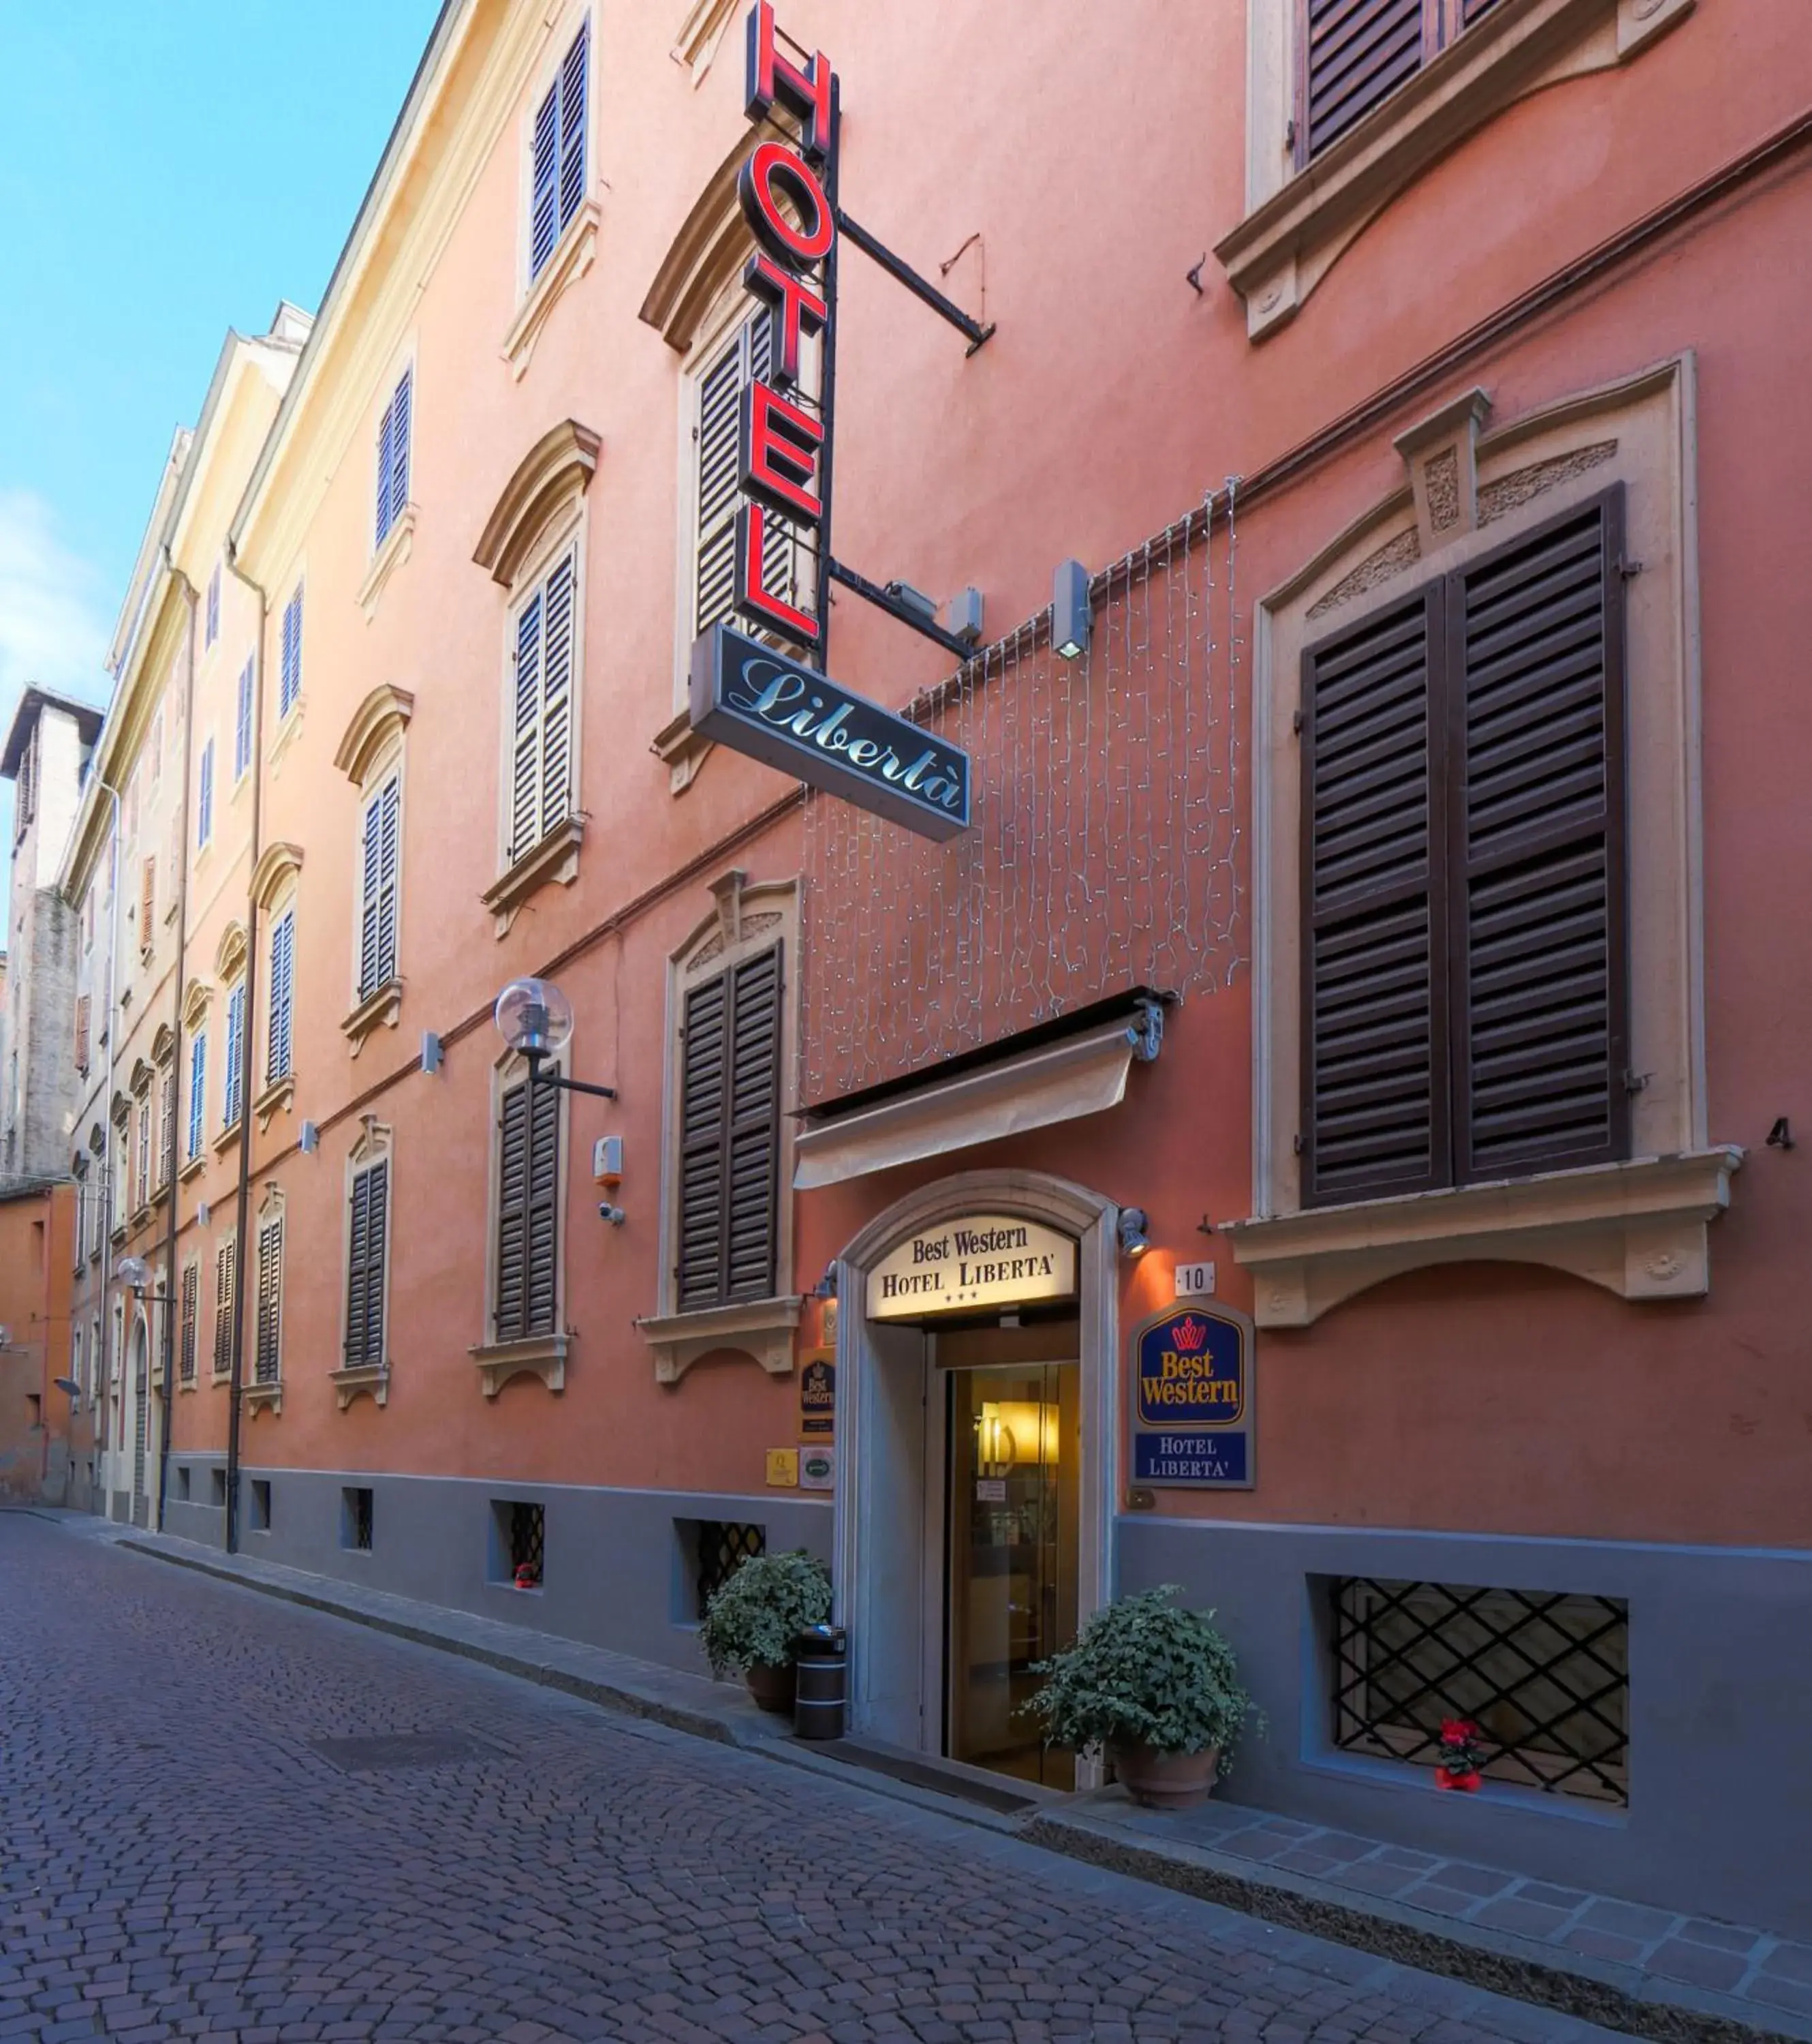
364, 1266
1374, 1112
1353, 54
191, 1302
754, 1130
528, 1179
223, 1309
1539, 967
542, 1288
730, 1135
702, 1088
268, 1365
82, 1032
148, 902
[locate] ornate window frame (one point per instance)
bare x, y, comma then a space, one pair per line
1298, 223
542, 511
1638, 1227
376, 1145
273, 1211
747, 918
370, 755
575, 246
274, 889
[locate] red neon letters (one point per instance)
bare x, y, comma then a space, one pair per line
781, 443
807, 93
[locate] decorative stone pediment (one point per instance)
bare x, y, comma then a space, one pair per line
381, 718
196, 999
559, 466
277, 863
709, 248
229, 959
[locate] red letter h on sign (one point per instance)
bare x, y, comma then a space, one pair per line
772, 77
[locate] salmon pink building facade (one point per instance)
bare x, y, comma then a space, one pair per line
1219, 1008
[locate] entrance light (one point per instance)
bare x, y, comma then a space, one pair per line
1070, 617
132, 1272
534, 1017
1133, 1240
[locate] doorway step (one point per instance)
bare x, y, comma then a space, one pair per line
999, 1796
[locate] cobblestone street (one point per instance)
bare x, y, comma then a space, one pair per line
180, 1855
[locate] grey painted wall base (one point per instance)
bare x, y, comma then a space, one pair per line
616, 1570
1720, 1668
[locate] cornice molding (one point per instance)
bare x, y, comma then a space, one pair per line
383, 715
276, 863
703, 256
559, 466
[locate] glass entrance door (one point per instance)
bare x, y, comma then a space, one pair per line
1012, 1545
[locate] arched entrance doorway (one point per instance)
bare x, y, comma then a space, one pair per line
977, 1453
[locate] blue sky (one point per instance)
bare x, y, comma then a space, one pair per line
167, 170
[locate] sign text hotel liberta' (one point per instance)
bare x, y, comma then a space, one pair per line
985, 1260
744, 693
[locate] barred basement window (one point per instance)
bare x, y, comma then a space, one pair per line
355, 1516
519, 1531
723, 1546
1544, 1676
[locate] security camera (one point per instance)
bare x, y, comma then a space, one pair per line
614, 1214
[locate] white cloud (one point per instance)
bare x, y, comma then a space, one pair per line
53, 630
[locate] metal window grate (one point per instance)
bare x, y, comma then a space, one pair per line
358, 1517
528, 1534
722, 1548
1544, 1677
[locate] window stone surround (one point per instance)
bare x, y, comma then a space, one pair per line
1638, 1227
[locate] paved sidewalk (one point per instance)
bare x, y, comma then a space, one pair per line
1677, 1979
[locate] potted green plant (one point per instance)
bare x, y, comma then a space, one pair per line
1157, 1687
754, 1616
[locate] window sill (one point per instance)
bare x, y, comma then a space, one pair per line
378, 1010
358, 1379
1281, 251
277, 1097
290, 725
763, 1328
227, 1136
554, 862
254, 1397
192, 1169
1636, 1228
540, 1355
573, 255
681, 750
220, 1376
397, 544
142, 1217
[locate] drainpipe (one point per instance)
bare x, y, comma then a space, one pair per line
171, 1302
108, 788
236, 1384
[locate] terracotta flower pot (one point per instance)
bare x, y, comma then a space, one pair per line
1444, 1778
1166, 1780
772, 1688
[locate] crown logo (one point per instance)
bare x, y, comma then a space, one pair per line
1190, 1335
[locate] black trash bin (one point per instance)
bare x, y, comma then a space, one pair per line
823, 1659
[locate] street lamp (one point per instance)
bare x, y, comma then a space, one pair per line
535, 1019
133, 1272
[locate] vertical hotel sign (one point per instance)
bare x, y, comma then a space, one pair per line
745, 694
1193, 1399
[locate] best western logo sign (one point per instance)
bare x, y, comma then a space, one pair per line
968, 1266
744, 694
1192, 1414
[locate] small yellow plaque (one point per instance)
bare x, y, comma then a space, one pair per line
783, 1469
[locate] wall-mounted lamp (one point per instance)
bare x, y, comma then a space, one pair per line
310, 1139
431, 1051
826, 1287
535, 1019
963, 618
1133, 1240
1069, 613
133, 1272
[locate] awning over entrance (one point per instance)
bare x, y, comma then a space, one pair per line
1078, 1074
